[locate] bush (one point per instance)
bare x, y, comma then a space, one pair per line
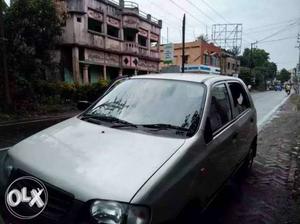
37, 95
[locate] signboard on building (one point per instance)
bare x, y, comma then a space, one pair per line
168, 53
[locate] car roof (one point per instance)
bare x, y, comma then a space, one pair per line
192, 77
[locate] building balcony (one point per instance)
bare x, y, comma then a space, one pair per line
143, 51
154, 54
131, 7
130, 47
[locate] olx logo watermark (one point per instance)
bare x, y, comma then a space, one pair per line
26, 197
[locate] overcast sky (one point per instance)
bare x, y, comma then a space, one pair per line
260, 19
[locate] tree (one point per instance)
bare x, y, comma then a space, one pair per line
259, 57
262, 69
246, 76
284, 75
202, 37
33, 28
3, 59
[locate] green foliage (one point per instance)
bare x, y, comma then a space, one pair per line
246, 76
45, 96
284, 75
3, 5
32, 28
260, 58
262, 69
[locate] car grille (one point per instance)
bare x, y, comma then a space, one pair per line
59, 202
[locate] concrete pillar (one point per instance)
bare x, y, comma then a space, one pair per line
105, 28
104, 72
85, 74
75, 64
120, 72
135, 72
149, 42
121, 33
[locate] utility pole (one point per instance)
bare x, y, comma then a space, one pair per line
3, 41
167, 35
298, 66
183, 44
251, 59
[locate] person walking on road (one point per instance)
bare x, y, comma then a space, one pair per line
288, 89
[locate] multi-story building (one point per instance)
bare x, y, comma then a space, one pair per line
104, 39
230, 65
200, 57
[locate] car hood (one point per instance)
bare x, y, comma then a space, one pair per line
93, 161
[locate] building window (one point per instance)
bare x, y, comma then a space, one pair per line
95, 25
154, 44
228, 65
113, 31
129, 35
206, 59
217, 62
142, 41
79, 19
214, 61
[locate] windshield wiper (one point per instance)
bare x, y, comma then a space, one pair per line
164, 127
118, 123
91, 118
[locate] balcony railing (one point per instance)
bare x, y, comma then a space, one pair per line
131, 5
130, 47
135, 7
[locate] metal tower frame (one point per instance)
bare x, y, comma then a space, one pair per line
228, 36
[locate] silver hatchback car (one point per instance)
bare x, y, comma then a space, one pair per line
142, 153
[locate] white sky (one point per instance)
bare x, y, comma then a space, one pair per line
267, 17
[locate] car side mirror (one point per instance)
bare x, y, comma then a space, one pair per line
208, 133
83, 105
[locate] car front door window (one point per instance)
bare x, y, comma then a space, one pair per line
220, 111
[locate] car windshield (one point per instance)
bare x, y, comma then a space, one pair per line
152, 103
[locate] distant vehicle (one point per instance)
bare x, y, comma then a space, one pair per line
143, 153
278, 87
288, 89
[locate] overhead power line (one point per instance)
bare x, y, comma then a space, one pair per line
273, 24
279, 31
266, 29
186, 11
215, 11
201, 11
285, 38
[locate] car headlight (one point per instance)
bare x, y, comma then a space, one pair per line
108, 212
5, 167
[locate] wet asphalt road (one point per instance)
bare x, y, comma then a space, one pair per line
265, 103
